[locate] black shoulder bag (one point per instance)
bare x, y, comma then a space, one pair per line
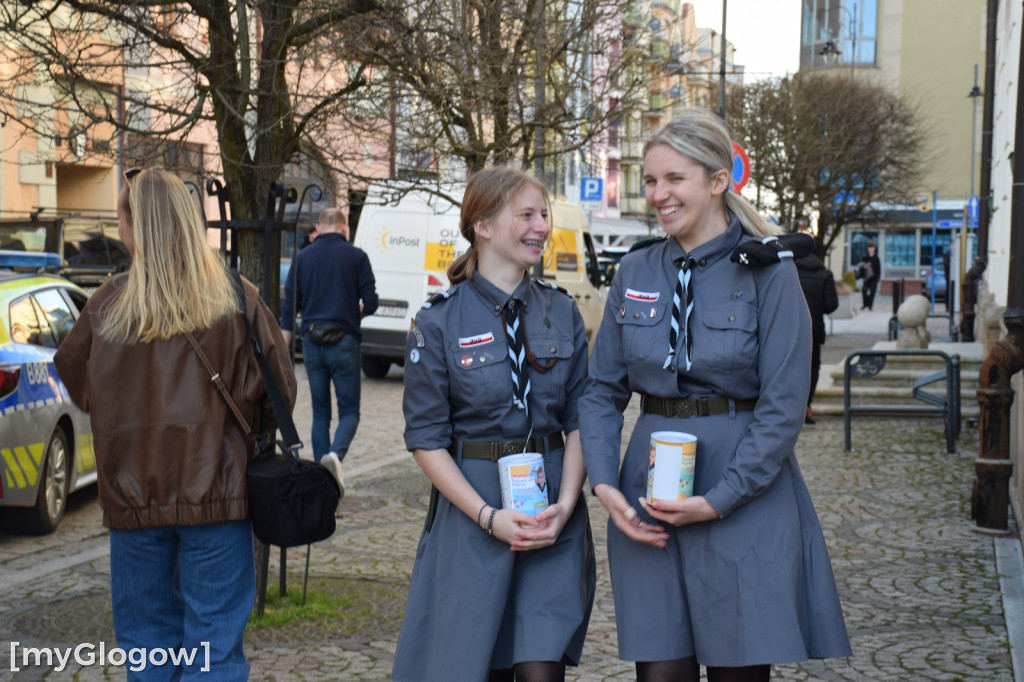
292, 501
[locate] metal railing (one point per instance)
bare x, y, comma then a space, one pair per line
868, 363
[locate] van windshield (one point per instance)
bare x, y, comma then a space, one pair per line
23, 237
93, 243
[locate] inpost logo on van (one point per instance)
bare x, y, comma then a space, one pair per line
437, 254
389, 241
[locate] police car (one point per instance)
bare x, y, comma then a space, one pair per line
45, 441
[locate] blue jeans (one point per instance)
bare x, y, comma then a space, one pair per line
176, 587
338, 364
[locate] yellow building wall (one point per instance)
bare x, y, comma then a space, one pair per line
940, 42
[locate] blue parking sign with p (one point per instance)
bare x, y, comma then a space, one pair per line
592, 189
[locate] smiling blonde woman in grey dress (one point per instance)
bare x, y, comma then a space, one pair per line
737, 577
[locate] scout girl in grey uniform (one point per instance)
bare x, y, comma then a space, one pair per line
736, 577
476, 610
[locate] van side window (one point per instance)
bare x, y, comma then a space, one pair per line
96, 244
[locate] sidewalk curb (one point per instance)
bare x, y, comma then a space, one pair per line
1010, 567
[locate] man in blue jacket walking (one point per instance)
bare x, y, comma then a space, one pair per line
332, 285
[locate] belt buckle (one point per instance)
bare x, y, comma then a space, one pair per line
684, 407
511, 447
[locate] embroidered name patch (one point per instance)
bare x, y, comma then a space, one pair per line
478, 340
633, 295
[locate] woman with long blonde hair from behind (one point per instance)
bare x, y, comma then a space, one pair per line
171, 460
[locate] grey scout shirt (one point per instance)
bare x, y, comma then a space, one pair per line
458, 381
751, 339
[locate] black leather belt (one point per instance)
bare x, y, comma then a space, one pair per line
495, 450
693, 406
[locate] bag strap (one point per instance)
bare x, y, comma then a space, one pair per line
219, 383
281, 412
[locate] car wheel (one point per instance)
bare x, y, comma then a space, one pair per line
52, 497
376, 367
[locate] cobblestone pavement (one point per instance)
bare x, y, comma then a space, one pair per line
919, 586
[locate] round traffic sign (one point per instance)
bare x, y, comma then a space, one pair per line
740, 168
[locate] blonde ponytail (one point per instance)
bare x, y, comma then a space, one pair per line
753, 222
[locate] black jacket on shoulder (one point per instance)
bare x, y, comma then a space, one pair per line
820, 291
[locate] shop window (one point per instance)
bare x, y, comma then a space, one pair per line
859, 245
941, 244
899, 250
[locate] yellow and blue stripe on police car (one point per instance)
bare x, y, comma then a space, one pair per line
23, 418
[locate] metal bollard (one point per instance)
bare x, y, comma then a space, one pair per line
991, 496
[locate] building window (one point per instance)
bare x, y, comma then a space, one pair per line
164, 17
859, 246
899, 249
184, 159
838, 33
613, 183
941, 245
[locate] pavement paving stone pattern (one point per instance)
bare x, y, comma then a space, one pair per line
919, 586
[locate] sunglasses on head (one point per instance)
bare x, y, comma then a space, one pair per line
130, 174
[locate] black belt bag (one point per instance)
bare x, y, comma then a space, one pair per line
693, 406
324, 333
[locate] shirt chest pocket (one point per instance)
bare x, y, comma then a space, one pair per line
554, 353
481, 375
640, 324
730, 333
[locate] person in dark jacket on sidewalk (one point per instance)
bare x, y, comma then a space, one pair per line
869, 269
334, 288
820, 291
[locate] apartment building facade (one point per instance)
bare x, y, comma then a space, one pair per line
682, 69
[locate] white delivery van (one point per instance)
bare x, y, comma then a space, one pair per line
411, 243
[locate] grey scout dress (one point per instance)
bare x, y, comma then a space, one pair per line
755, 586
475, 605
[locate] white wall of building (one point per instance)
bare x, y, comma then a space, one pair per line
1003, 144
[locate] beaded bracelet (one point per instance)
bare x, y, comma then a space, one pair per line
490, 521
479, 513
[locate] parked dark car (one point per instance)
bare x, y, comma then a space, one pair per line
89, 249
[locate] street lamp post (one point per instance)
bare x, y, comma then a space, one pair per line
974, 94
830, 51
721, 66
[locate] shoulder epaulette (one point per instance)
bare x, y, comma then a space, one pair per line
644, 243
415, 331
552, 285
440, 296
772, 249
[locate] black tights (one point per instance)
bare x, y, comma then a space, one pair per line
530, 671
687, 670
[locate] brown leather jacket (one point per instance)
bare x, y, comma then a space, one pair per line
168, 449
